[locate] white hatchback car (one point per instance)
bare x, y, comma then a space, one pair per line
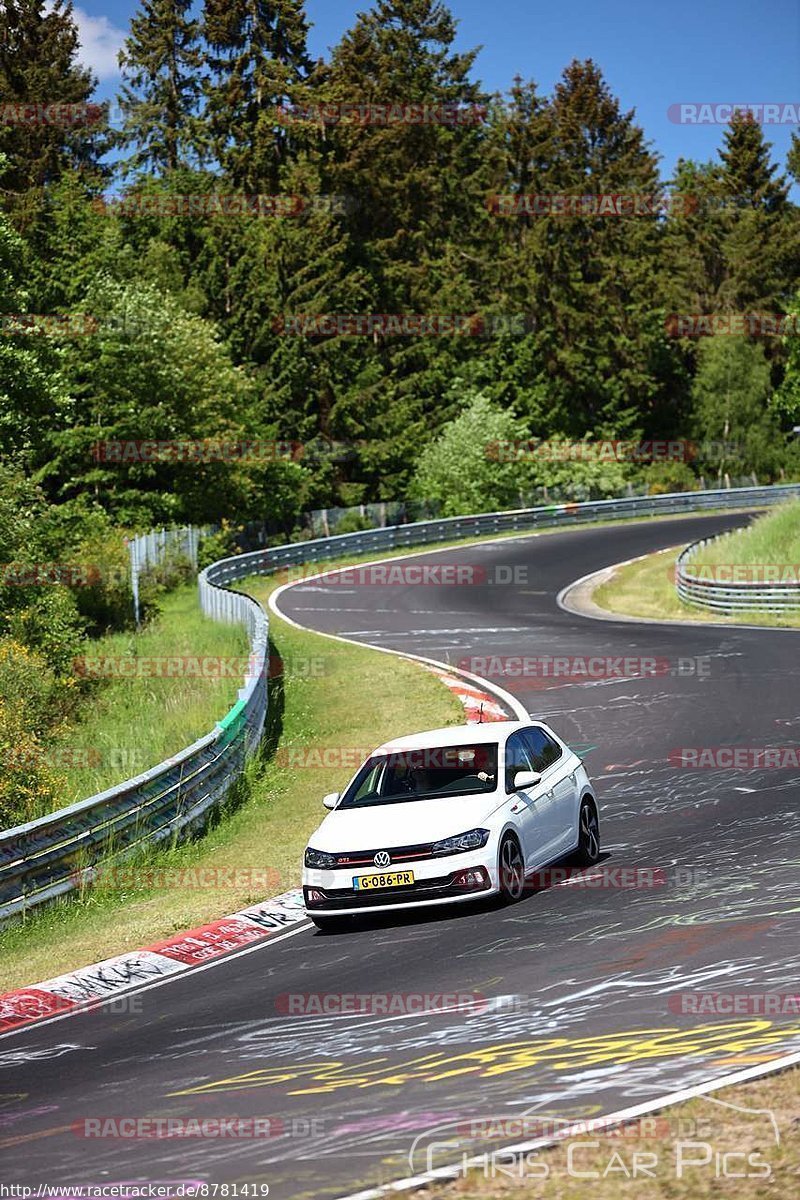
444, 816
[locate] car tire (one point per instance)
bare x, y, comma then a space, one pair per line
331, 924
511, 870
588, 851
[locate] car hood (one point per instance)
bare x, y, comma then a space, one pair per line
389, 825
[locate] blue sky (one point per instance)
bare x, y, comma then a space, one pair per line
652, 54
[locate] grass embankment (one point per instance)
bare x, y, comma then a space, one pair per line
134, 722
701, 1150
773, 539
646, 587
335, 695
361, 699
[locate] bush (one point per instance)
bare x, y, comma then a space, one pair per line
30, 686
29, 786
463, 469
221, 544
665, 477
51, 625
352, 522
105, 600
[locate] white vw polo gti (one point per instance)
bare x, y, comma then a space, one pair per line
444, 816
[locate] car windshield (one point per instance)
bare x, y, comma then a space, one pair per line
426, 774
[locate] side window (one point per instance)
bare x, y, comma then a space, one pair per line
517, 758
543, 750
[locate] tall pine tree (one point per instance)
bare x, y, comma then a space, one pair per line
761, 246
588, 280
161, 63
257, 61
39, 66
419, 191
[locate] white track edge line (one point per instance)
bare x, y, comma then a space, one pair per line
454, 1170
510, 701
92, 1006
563, 602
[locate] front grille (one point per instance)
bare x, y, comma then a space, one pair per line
363, 858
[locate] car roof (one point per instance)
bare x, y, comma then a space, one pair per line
455, 735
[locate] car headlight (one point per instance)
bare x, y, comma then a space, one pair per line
319, 859
472, 840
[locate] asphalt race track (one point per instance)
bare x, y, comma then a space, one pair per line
578, 980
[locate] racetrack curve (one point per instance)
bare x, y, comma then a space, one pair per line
579, 981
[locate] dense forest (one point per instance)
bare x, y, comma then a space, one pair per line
171, 263
256, 285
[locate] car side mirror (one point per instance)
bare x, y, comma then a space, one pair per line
526, 779
331, 800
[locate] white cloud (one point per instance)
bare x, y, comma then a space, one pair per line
100, 43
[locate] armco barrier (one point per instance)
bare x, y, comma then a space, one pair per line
50, 856
728, 596
55, 853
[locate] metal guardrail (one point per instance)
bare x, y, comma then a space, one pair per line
421, 533
728, 595
56, 853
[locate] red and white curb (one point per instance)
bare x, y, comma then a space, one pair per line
88, 987
478, 705
91, 986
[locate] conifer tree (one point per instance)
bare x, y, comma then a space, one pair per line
161, 63
419, 187
257, 60
39, 67
761, 246
590, 277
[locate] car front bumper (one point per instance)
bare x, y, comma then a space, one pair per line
448, 879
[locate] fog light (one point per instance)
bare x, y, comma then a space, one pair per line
315, 896
473, 879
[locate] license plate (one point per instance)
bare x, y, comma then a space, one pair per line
374, 883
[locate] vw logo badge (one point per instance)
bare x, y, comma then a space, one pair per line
382, 858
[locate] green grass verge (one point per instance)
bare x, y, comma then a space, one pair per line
359, 698
129, 725
774, 539
334, 695
646, 587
